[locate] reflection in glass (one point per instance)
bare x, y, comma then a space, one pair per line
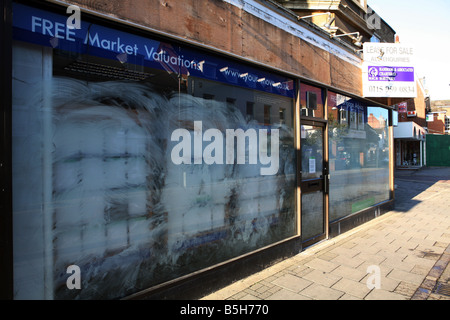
312, 169
312, 214
311, 101
312, 152
134, 181
359, 155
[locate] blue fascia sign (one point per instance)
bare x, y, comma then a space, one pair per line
50, 29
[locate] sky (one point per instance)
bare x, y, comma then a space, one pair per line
425, 26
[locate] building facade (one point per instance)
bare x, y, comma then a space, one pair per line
144, 156
354, 18
438, 122
411, 130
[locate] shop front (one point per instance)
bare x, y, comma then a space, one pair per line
359, 144
140, 163
410, 140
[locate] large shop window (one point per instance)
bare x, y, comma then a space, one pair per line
358, 155
137, 161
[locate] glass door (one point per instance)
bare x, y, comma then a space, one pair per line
313, 182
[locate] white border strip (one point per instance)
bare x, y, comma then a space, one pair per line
256, 9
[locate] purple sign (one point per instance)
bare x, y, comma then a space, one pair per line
377, 73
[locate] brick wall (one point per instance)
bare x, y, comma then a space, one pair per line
438, 124
229, 28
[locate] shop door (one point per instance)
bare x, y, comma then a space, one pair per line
313, 182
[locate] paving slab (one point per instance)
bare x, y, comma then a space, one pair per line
409, 246
292, 283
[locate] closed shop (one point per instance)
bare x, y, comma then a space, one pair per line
139, 161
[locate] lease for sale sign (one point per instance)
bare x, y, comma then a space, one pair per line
388, 70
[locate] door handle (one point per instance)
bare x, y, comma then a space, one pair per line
326, 181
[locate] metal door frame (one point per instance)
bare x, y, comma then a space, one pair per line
322, 185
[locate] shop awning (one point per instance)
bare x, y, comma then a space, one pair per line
409, 131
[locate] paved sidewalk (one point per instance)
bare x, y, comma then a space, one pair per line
406, 251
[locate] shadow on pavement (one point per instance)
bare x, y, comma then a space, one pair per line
410, 183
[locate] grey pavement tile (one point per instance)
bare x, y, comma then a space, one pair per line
349, 297
406, 276
249, 297
292, 283
407, 289
349, 273
322, 265
353, 262
324, 278
351, 287
343, 251
285, 294
371, 258
380, 294
319, 292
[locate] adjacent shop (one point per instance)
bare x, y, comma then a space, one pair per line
141, 163
410, 139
